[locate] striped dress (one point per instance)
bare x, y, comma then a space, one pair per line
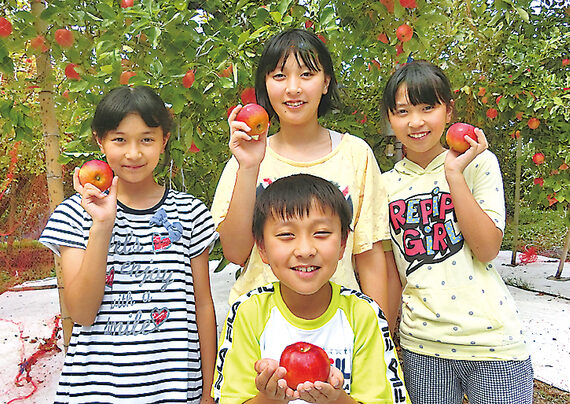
143, 346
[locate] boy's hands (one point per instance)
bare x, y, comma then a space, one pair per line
100, 206
269, 380
321, 392
271, 384
248, 152
456, 162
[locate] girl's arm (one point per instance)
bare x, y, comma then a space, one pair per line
235, 230
373, 276
205, 321
84, 270
394, 290
480, 233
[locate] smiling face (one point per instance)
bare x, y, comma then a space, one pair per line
295, 91
419, 127
133, 149
303, 252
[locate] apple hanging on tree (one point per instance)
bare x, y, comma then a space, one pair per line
404, 32
533, 123
5, 27
538, 158
70, 72
492, 113
64, 37
408, 3
96, 172
248, 96
125, 77
127, 3
254, 116
188, 79
305, 362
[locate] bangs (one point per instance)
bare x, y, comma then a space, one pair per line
422, 90
425, 84
282, 49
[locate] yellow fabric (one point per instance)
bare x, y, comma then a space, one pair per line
453, 305
353, 167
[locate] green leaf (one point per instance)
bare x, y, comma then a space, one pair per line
522, 12
276, 16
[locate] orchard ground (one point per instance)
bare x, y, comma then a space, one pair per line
27, 314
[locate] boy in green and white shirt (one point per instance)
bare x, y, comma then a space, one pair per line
301, 224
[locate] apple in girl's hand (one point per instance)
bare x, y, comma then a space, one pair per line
305, 362
455, 136
96, 172
254, 116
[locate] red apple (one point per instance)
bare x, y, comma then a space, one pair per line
5, 27
308, 24
127, 3
193, 148
65, 95
254, 116
230, 109
408, 3
533, 123
64, 37
565, 62
248, 96
305, 362
539, 181
404, 32
125, 77
188, 79
482, 91
492, 113
383, 38
389, 4
538, 158
563, 167
399, 48
455, 136
322, 38
96, 172
38, 43
227, 72
519, 116
71, 73
498, 99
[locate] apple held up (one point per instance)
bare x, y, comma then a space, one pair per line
455, 136
96, 172
305, 362
254, 116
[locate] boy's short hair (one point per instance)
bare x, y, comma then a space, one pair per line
294, 196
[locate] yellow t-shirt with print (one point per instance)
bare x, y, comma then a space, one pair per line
351, 165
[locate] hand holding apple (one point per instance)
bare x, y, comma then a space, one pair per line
269, 380
255, 117
248, 150
100, 206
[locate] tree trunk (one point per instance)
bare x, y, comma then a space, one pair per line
52, 150
564, 253
517, 202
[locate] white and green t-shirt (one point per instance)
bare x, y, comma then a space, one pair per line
353, 331
453, 305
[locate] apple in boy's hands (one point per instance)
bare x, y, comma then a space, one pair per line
254, 116
96, 172
455, 136
305, 362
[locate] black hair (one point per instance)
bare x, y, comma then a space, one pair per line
125, 100
425, 82
305, 46
294, 196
